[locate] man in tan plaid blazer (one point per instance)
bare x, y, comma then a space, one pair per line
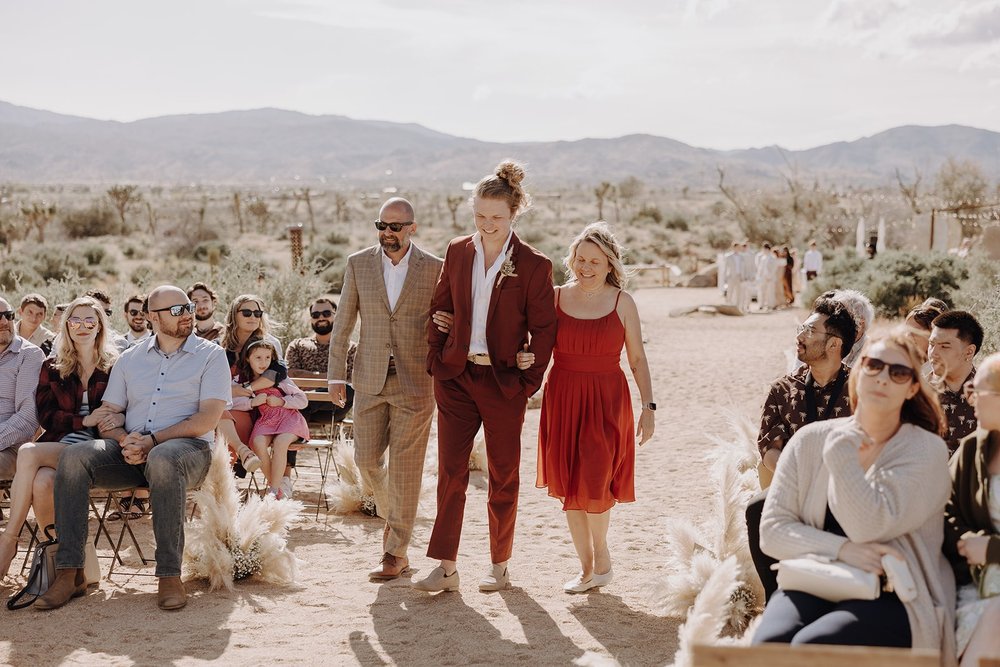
390, 286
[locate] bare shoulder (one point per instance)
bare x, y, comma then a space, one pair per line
626, 304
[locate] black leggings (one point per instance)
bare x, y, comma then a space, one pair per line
761, 561
793, 617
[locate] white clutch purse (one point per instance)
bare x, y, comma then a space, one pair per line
831, 580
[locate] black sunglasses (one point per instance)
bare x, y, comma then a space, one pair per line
134, 312
898, 373
394, 226
109, 312
246, 312
177, 310
316, 314
8, 314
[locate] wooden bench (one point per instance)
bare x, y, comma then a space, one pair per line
783, 655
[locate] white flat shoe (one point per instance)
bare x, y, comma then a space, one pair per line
437, 580
496, 579
578, 585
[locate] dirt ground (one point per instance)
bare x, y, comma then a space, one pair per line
701, 365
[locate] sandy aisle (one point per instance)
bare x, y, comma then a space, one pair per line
701, 365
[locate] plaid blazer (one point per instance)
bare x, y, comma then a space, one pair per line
400, 333
58, 400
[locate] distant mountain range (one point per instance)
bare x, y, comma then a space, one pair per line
272, 145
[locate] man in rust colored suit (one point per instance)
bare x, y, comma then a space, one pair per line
501, 298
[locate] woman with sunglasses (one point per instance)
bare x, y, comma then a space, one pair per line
70, 388
247, 320
859, 488
972, 520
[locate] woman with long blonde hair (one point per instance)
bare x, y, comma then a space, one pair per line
70, 388
859, 488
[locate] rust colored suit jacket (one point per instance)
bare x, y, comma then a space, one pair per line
521, 311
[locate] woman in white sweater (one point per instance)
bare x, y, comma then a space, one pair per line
856, 488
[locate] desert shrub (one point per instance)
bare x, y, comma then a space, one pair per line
133, 252
336, 238
894, 280
677, 222
18, 274
93, 221
719, 239
143, 276
95, 254
211, 251
325, 253
647, 213
56, 264
980, 296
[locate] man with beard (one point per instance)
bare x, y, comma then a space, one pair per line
956, 337
815, 391
205, 300
102, 298
20, 365
389, 286
172, 388
135, 317
309, 357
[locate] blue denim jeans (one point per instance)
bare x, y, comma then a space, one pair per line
172, 467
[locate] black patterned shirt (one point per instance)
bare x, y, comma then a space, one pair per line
308, 354
787, 408
961, 416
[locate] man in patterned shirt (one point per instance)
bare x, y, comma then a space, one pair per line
814, 392
309, 357
20, 364
955, 339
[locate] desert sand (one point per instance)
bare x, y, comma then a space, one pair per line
702, 365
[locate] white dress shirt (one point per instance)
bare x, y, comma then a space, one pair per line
483, 280
813, 261
394, 276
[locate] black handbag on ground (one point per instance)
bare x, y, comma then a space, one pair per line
40, 576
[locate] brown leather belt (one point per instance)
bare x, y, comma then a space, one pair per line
479, 359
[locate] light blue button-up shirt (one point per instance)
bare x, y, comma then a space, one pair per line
159, 390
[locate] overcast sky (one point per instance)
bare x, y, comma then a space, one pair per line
713, 73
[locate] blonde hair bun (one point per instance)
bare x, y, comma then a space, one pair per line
510, 171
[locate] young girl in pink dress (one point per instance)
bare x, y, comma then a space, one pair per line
280, 423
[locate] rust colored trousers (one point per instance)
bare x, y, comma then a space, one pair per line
464, 403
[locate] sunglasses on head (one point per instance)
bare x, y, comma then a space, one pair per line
86, 322
898, 373
8, 315
134, 312
177, 310
246, 312
394, 226
316, 314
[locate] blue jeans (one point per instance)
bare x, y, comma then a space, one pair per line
173, 467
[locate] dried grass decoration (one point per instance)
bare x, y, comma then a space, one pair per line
229, 541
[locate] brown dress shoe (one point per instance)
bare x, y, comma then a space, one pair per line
390, 567
68, 584
171, 594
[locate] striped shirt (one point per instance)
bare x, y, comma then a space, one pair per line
20, 365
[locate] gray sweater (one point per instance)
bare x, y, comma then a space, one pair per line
899, 500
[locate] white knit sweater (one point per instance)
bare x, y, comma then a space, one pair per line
899, 500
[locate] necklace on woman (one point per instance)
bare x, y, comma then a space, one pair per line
590, 293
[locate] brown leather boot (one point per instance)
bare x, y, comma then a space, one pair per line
171, 594
391, 567
69, 583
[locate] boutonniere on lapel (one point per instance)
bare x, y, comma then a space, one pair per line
507, 268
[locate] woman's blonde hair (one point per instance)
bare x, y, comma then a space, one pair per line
66, 360
923, 409
230, 341
505, 183
600, 234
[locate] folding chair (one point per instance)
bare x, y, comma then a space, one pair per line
4, 494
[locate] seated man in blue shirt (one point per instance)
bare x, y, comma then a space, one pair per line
172, 388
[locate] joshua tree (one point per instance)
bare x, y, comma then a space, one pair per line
602, 192
124, 198
258, 209
453, 202
39, 215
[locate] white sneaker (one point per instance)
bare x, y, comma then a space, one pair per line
286, 487
496, 579
248, 459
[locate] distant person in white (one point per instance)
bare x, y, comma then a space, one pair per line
747, 277
812, 263
732, 267
765, 277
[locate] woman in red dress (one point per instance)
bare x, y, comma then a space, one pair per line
586, 436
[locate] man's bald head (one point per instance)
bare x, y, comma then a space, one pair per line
165, 296
5, 303
989, 371
400, 204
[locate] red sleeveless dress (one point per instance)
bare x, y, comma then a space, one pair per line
586, 435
